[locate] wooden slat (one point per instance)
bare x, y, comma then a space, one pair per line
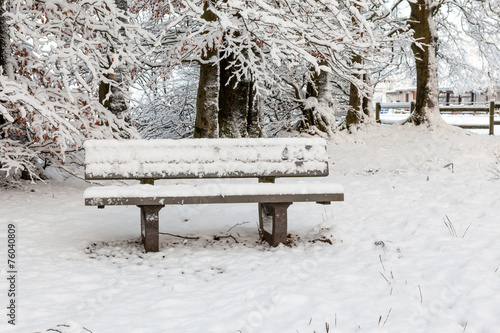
302, 170
263, 198
464, 108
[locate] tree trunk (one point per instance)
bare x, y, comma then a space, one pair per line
114, 95
207, 101
368, 100
424, 50
360, 106
355, 114
239, 109
234, 102
318, 109
7, 67
254, 119
307, 112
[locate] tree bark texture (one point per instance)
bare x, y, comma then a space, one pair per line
254, 117
207, 100
424, 51
354, 115
368, 100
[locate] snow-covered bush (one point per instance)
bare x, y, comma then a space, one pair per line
62, 52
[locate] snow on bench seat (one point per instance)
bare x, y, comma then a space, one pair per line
212, 193
205, 158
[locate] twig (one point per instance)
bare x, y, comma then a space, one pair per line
237, 224
179, 236
56, 330
465, 327
449, 225
421, 298
225, 236
387, 317
467, 229
385, 278
87, 329
380, 257
323, 240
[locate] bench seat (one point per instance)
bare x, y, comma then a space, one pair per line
212, 193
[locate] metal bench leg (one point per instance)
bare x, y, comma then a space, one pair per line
150, 228
273, 216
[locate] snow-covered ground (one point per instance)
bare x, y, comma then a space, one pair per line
393, 265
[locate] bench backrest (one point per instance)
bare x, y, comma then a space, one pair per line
205, 158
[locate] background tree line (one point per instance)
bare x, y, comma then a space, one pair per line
75, 69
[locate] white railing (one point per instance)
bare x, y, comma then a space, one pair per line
450, 109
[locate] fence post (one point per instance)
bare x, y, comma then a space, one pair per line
377, 112
492, 117
412, 107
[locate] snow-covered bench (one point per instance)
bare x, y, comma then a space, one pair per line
264, 159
